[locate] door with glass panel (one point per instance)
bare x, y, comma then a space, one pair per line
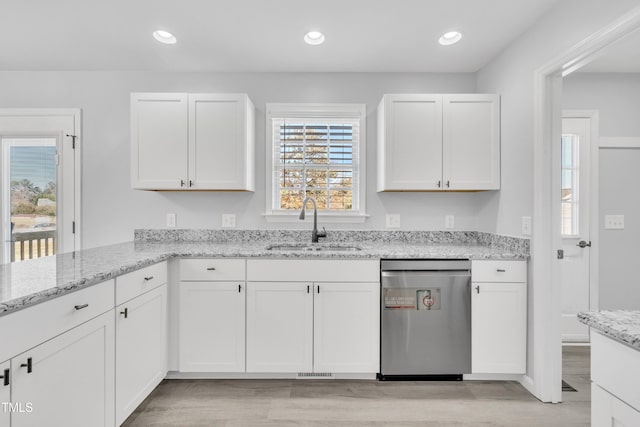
575, 220
38, 185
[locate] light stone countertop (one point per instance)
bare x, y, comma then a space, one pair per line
30, 282
621, 325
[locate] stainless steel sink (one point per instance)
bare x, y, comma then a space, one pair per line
311, 248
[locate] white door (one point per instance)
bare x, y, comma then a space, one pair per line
5, 393
68, 380
212, 326
279, 327
141, 348
575, 230
346, 327
39, 183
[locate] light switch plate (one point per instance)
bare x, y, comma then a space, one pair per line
449, 221
526, 226
393, 221
614, 222
171, 220
228, 220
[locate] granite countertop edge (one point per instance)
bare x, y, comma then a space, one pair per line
158, 252
620, 325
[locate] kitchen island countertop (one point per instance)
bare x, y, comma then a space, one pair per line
621, 325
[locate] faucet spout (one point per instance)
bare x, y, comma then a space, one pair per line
315, 234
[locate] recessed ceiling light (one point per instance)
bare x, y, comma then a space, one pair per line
314, 38
164, 37
452, 37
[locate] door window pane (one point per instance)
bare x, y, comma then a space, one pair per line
569, 191
32, 215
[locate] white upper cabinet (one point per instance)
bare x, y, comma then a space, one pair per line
471, 142
410, 142
221, 142
192, 141
159, 135
433, 142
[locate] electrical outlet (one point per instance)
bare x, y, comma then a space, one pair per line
449, 221
228, 220
171, 220
614, 222
393, 221
526, 226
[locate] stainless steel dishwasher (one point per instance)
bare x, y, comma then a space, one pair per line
426, 319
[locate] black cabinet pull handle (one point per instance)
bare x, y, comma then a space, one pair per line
28, 365
500, 270
80, 307
182, 183
318, 288
6, 377
211, 269
190, 183
439, 183
146, 279
239, 288
308, 289
478, 289
125, 312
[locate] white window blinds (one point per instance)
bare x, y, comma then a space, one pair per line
317, 157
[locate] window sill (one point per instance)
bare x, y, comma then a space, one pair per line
327, 218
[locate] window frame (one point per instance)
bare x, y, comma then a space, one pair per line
319, 111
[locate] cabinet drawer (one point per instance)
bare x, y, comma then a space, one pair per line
212, 269
32, 326
499, 271
313, 270
137, 282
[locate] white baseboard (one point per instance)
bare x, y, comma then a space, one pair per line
175, 375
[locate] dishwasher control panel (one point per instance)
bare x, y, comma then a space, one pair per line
412, 299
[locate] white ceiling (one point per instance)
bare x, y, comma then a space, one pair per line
621, 57
260, 35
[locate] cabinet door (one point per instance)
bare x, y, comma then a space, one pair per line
5, 392
498, 328
346, 327
279, 327
220, 142
212, 326
471, 142
159, 140
607, 410
410, 142
141, 347
70, 382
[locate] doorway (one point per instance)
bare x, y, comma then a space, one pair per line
39, 183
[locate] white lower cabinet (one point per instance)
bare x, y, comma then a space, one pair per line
609, 411
345, 333
212, 326
498, 317
141, 348
279, 327
313, 327
5, 393
68, 380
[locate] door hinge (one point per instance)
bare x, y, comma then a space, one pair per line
73, 140
560, 254
73, 227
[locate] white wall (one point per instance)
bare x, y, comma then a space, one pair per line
511, 74
617, 98
111, 210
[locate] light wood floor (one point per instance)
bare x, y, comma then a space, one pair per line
286, 403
